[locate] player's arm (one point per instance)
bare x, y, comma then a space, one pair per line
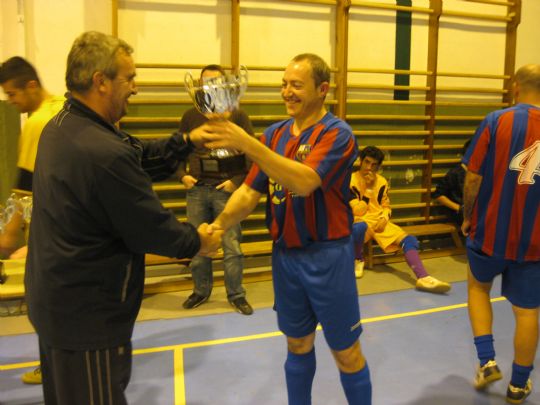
294, 176
241, 203
447, 202
471, 188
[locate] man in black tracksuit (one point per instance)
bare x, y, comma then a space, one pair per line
94, 217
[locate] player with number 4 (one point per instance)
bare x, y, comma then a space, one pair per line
502, 221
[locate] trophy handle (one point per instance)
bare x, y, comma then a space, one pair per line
243, 79
188, 82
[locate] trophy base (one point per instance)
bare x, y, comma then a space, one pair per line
223, 168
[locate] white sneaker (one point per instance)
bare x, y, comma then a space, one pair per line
431, 284
358, 268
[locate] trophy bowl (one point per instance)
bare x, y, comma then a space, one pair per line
217, 98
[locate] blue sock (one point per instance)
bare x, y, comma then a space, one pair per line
357, 386
484, 348
299, 373
520, 375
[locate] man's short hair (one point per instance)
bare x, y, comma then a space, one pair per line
213, 68
372, 152
528, 77
93, 52
19, 70
320, 71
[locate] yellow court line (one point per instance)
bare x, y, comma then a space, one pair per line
215, 342
179, 386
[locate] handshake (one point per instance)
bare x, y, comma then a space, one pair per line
210, 236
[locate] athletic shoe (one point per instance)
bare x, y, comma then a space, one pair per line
32, 377
516, 395
358, 268
241, 306
431, 284
194, 300
487, 374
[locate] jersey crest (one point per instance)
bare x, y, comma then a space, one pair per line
303, 152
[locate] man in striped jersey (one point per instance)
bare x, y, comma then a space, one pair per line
304, 166
502, 222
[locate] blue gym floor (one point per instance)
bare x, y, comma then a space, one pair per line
418, 345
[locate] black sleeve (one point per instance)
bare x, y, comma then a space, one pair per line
136, 214
160, 158
443, 186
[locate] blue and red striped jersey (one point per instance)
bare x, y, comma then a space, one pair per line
329, 148
506, 151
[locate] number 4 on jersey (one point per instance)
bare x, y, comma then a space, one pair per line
528, 163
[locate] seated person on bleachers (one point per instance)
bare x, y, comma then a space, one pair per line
449, 191
371, 209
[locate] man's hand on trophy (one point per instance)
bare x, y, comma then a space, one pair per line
210, 240
226, 134
198, 136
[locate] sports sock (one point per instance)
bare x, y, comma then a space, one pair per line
299, 373
413, 260
520, 375
357, 386
409, 244
484, 348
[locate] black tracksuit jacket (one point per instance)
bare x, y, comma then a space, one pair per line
94, 217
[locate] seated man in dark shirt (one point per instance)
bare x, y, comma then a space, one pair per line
449, 191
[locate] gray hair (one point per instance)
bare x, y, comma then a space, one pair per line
528, 77
93, 52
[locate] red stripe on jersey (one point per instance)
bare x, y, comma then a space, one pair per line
290, 231
316, 132
337, 217
321, 152
520, 198
499, 170
274, 226
348, 152
516, 221
253, 172
479, 153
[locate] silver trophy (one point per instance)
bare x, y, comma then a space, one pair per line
216, 98
14, 205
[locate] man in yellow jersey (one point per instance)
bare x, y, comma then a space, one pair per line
23, 89
371, 208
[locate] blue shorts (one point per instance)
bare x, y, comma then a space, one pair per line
316, 284
520, 281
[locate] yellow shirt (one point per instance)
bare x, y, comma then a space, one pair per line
379, 203
378, 207
28, 141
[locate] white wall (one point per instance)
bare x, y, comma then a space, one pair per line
528, 50
43, 30
271, 32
